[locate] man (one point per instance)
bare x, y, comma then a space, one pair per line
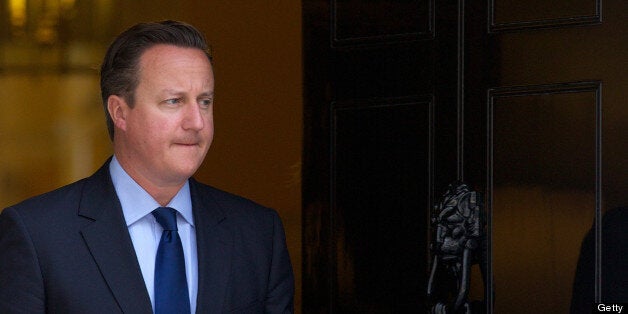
140, 235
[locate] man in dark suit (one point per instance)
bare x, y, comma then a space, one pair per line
121, 240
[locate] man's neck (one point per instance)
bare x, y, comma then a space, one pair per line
162, 192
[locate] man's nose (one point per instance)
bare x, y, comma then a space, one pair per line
193, 119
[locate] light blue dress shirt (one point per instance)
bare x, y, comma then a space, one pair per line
145, 231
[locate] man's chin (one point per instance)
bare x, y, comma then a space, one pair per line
187, 172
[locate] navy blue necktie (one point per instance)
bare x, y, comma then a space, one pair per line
171, 289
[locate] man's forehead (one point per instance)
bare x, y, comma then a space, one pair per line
165, 53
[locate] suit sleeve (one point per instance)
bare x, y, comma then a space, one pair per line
280, 298
21, 283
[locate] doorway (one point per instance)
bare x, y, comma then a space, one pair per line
521, 100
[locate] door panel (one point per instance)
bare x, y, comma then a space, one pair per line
362, 22
509, 15
378, 172
543, 188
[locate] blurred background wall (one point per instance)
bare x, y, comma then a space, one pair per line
52, 129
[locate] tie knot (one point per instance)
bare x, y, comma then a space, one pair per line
166, 217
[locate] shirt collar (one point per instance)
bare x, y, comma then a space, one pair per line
137, 203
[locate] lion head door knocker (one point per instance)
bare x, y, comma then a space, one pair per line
458, 242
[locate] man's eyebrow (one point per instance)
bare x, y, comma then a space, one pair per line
176, 92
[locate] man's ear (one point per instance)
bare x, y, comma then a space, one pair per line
117, 108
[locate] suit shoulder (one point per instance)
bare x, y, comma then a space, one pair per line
47, 202
52, 215
233, 203
66, 196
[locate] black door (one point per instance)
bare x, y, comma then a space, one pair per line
404, 97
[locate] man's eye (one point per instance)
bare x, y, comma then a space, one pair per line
173, 101
206, 102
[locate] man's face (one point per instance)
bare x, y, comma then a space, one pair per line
167, 133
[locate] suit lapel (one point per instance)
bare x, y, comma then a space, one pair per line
108, 240
214, 241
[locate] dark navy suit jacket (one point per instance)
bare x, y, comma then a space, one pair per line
69, 251
614, 264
